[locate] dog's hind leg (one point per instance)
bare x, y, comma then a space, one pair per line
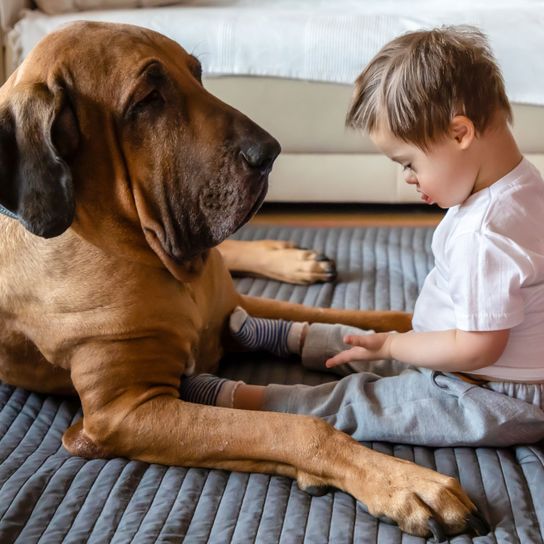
380, 321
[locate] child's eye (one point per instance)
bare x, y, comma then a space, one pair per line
407, 167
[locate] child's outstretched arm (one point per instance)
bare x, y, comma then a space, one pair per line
451, 351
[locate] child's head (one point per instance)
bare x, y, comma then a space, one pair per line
428, 95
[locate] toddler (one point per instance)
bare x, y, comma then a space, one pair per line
471, 372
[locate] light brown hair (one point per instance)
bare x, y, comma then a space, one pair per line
419, 81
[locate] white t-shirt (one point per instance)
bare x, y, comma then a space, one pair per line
489, 272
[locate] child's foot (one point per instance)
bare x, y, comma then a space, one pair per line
274, 335
208, 389
215, 391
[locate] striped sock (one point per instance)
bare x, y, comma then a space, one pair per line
208, 389
257, 333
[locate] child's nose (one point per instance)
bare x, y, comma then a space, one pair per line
410, 177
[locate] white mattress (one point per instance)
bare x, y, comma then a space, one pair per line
322, 40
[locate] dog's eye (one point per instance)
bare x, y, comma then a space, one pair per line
197, 72
154, 98
195, 68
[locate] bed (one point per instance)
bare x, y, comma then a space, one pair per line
48, 496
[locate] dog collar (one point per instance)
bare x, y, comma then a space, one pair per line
5, 211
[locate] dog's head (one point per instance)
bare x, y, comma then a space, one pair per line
108, 128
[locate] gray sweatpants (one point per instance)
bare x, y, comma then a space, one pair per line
394, 402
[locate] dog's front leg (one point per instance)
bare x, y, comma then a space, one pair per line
131, 409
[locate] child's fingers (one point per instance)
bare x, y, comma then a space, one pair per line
346, 356
357, 340
371, 342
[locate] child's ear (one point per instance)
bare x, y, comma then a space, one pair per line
462, 131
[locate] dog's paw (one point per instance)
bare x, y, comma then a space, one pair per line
286, 262
420, 501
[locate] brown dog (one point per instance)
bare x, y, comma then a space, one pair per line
121, 174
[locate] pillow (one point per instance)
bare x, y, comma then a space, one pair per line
54, 7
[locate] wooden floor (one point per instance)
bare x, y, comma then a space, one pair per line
344, 215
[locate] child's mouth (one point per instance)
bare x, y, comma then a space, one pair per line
426, 198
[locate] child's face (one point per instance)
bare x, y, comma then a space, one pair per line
443, 174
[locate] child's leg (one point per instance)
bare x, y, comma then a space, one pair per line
378, 401
418, 406
315, 343
259, 334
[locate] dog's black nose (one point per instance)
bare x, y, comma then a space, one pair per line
260, 154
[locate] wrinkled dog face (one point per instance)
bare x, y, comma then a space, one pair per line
145, 148
203, 164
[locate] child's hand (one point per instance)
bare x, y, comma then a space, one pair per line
366, 348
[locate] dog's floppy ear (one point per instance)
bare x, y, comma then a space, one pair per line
38, 134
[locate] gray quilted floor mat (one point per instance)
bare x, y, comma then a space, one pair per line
48, 496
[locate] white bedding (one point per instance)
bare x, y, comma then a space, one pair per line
323, 40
